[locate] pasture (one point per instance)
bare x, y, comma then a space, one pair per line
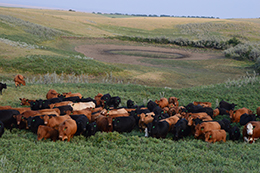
80, 52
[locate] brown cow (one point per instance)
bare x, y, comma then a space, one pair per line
200, 115
213, 136
67, 129
173, 100
86, 112
171, 120
104, 123
236, 114
258, 111
251, 131
47, 133
98, 99
26, 102
60, 104
5, 107
202, 128
19, 79
22, 110
203, 104
52, 94
55, 111
69, 94
145, 119
54, 121
163, 102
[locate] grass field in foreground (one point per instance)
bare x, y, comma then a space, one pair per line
114, 152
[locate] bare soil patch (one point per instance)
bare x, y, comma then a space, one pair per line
103, 52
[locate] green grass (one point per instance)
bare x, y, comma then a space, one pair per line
114, 152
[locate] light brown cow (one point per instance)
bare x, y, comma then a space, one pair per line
82, 105
67, 129
52, 94
236, 114
47, 133
213, 136
163, 102
114, 111
203, 104
19, 79
69, 94
145, 119
251, 131
202, 128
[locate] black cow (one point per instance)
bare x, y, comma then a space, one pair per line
234, 133
226, 105
91, 129
34, 122
2, 86
224, 124
7, 117
105, 99
151, 105
115, 101
130, 104
82, 122
158, 129
124, 124
245, 118
181, 129
64, 109
222, 111
74, 99
2, 130
198, 108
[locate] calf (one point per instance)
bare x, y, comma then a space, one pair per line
19, 79
67, 129
85, 112
2, 130
66, 109
115, 102
145, 119
219, 111
251, 131
124, 124
213, 136
171, 121
47, 133
2, 86
245, 118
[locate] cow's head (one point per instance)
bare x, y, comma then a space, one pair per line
249, 129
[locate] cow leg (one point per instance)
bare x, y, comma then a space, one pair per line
146, 132
245, 139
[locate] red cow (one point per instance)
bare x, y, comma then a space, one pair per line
251, 131
213, 136
173, 100
104, 123
69, 94
204, 127
67, 129
26, 102
52, 94
98, 98
19, 79
163, 102
236, 114
47, 133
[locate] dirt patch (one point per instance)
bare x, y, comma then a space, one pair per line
102, 52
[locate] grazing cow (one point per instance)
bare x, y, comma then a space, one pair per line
52, 94
69, 94
67, 129
26, 102
158, 129
213, 136
82, 122
174, 101
124, 124
203, 104
19, 79
202, 128
47, 133
163, 102
234, 133
53, 120
251, 131
236, 114
2, 86
2, 130
7, 117
33, 123
92, 129
104, 123
226, 105
245, 118
82, 105
181, 129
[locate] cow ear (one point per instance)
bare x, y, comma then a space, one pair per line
14, 116
20, 98
41, 116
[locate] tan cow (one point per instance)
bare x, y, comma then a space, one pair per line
19, 79
213, 136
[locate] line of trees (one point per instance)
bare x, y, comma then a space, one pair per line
154, 15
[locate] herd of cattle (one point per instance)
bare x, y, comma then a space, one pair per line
62, 116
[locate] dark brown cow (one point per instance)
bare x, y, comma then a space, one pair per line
173, 100
47, 133
19, 79
98, 99
26, 102
104, 123
236, 114
213, 136
52, 94
22, 110
67, 129
251, 131
204, 127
